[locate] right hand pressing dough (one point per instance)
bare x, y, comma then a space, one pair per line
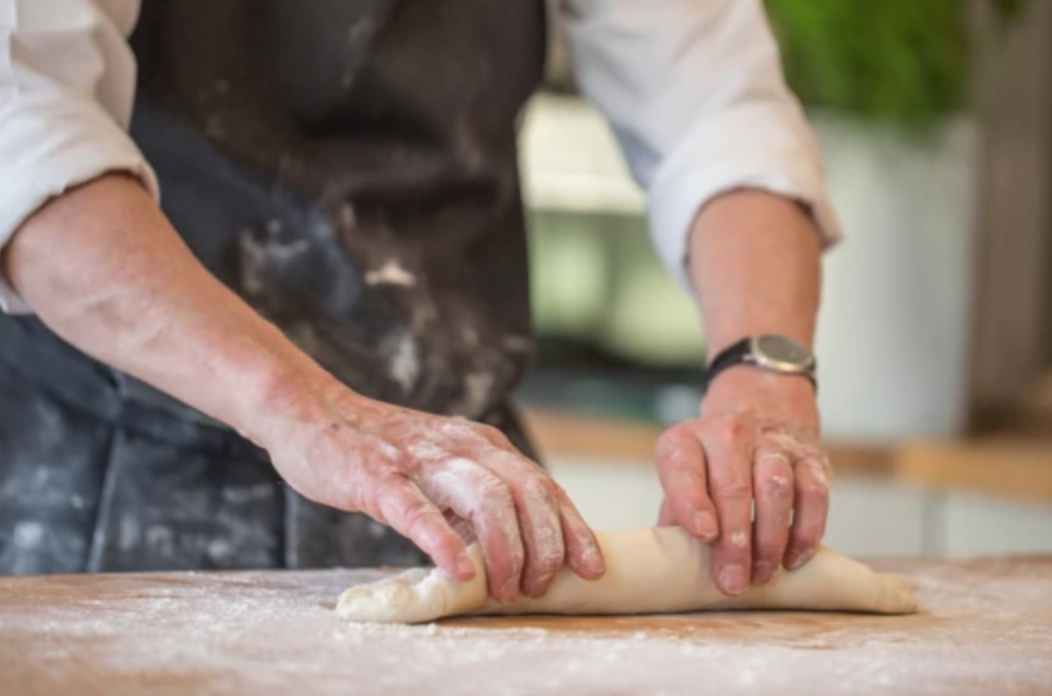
649, 571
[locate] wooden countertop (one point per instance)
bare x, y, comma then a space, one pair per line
1012, 467
986, 629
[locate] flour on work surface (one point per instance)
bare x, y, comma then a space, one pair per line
985, 631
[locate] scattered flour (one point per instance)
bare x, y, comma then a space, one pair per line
987, 630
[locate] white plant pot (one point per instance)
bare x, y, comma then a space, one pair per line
894, 332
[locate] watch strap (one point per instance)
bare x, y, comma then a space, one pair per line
734, 354
741, 353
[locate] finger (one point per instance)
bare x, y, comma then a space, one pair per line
666, 518
581, 547
773, 492
473, 492
537, 512
461, 526
728, 444
810, 510
583, 551
405, 508
494, 437
681, 469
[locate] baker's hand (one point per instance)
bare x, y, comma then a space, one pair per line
439, 481
126, 290
756, 442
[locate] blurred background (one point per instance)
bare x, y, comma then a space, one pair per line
935, 120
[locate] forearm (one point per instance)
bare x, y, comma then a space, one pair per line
755, 262
103, 268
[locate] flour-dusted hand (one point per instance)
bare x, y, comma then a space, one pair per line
750, 476
165, 320
755, 267
442, 482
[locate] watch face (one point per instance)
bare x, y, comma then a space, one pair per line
782, 354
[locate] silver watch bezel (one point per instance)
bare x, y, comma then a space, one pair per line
763, 357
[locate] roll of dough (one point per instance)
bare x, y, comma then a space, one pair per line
648, 571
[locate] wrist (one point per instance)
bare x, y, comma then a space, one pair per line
767, 352
746, 388
797, 331
280, 391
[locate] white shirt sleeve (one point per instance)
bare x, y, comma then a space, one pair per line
67, 83
695, 94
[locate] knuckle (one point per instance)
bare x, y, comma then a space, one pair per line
539, 488
810, 452
488, 433
514, 464
738, 547
450, 430
421, 449
494, 495
733, 487
380, 484
416, 515
547, 559
665, 444
781, 439
820, 467
732, 427
670, 440
390, 464
816, 493
776, 486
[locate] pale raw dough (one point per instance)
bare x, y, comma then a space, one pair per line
648, 571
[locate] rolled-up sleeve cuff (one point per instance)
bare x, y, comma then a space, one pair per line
758, 148
50, 143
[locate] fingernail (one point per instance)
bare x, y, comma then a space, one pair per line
704, 525
594, 560
509, 591
465, 566
732, 580
762, 572
795, 559
537, 588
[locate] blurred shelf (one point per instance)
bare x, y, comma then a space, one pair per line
1019, 469
628, 443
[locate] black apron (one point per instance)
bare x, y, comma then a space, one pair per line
348, 167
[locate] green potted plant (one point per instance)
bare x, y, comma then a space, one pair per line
896, 61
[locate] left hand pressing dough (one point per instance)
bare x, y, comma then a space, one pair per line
648, 571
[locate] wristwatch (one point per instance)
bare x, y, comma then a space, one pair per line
768, 352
